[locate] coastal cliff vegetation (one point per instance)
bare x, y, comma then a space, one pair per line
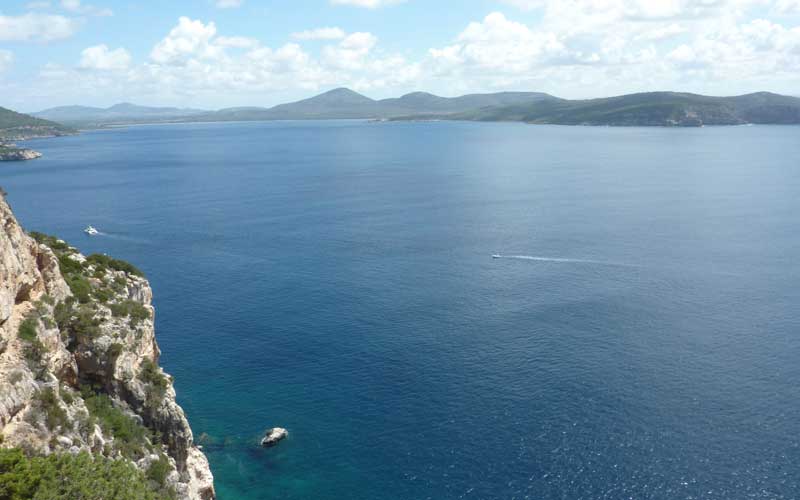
85, 407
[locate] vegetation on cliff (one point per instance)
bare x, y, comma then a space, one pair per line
86, 411
64, 476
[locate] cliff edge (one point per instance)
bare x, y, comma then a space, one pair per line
79, 370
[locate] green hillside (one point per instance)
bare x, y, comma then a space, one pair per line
649, 109
18, 126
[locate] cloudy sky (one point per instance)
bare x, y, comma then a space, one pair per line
219, 53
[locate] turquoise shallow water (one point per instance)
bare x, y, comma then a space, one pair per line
337, 279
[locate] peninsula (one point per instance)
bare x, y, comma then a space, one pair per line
19, 127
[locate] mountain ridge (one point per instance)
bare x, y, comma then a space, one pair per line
661, 108
124, 112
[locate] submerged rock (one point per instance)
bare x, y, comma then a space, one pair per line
274, 436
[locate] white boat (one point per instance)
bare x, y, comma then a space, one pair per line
496, 256
91, 231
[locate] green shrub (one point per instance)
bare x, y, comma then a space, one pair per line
55, 416
115, 350
119, 284
80, 287
102, 295
78, 322
33, 348
69, 265
28, 329
135, 310
130, 437
64, 476
67, 397
159, 470
51, 241
63, 313
104, 261
15, 377
155, 380
34, 351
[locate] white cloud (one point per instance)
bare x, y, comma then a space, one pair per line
100, 57
237, 42
525, 4
320, 34
351, 52
90, 10
575, 48
36, 27
497, 45
228, 4
596, 47
189, 39
787, 6
367, 4
193, 61
662, 33
6, 58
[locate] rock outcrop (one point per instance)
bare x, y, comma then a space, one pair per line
15, 154
274, 436
79, 362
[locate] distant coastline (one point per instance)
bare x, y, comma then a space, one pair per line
660, 109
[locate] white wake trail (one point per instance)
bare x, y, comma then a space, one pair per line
562, 260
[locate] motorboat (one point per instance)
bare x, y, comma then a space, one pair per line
91, 231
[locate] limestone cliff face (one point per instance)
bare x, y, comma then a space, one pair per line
18, 154
79, 362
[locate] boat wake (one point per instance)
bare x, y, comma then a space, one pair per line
561, 260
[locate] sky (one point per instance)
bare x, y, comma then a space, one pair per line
213, 54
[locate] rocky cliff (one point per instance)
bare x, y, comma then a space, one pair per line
79, 364
17, 154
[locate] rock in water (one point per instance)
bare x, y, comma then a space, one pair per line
274, 436
14, 154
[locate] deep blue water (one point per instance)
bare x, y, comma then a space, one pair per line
336, 279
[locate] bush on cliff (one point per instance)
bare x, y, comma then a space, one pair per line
135, 310
33, 348
65, 476
105, 262
130, 437
155, 380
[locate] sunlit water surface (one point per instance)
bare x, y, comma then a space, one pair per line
639, 336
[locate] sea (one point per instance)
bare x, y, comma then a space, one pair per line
459, 310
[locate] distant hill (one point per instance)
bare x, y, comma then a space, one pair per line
17, 126
434, 104
344, 103
118, 114
647, 109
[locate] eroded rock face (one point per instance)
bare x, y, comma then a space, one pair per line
19, 154
103, 340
